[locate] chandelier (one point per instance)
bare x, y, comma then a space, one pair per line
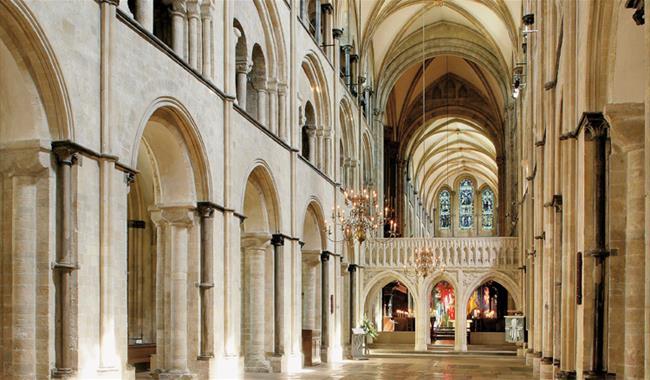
426, 262
363, 216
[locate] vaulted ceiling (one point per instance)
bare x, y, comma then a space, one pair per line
443, 71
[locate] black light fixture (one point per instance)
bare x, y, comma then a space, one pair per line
528, 20
517, 81
337, 33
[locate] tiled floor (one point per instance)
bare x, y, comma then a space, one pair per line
414, 366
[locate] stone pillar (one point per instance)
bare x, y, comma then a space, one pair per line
634, 266
310, 261
207, 34
173, 224
325, 305
254, 246
144, 13
352, 269
24, 171
206, 212
311, 133
319, 148
178, 13
317, 26
262, 109
626, 129
272, 89
65, 264
195, 41
242, 69
327, 149
327, 11
278, 285
282, 115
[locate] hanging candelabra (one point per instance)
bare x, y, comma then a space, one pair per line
426, 262
361, 217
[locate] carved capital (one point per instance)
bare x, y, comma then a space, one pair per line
174, 215
205, 209
193, 8
243, 66
255, 241
277, 240
24, 158
594, 124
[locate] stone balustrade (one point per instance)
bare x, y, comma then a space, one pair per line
474, 252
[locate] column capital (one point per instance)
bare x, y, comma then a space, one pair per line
311, 130
311, 257
325, 256
243, 66
175, 215
352, 268
272, 85
193, 8
206, 9
277, 240
25, 157
328, 8
205, 209
626, 122
594, 124
255, 240
179, 6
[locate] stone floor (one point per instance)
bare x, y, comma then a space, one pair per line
417, 366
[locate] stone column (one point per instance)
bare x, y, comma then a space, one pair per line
278, 285
178, 12
65, 264
319, 148
627, 123
327, 11
311, 133
634, 266
254, 246
310, 261
272, 90
282, 115
262, 109
173, 223
352, 269
23, 171
317, 21
325, 304
207, 34
144, 13
206, 212
194, 39
327, 149
242, 69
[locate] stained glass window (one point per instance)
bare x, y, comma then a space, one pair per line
445, 209
487, 199
466, 204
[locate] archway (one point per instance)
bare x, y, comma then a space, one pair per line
257, 320
161, 223
313, 245
34, 110
442, 313
486, 308
391, 305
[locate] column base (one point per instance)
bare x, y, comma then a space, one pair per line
460, 347
565, 375
257, 365
546, 369
335, 354
294, 362
173, 375
529, 357
278, 363
536, 364
593, 375
228, 367
420, 347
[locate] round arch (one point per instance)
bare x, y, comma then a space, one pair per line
314, 210
173, 114
503, 279
259, 200
25, 49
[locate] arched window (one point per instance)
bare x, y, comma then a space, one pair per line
466, 204
445, 209
487, 200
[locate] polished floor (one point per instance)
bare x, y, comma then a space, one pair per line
416, 366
